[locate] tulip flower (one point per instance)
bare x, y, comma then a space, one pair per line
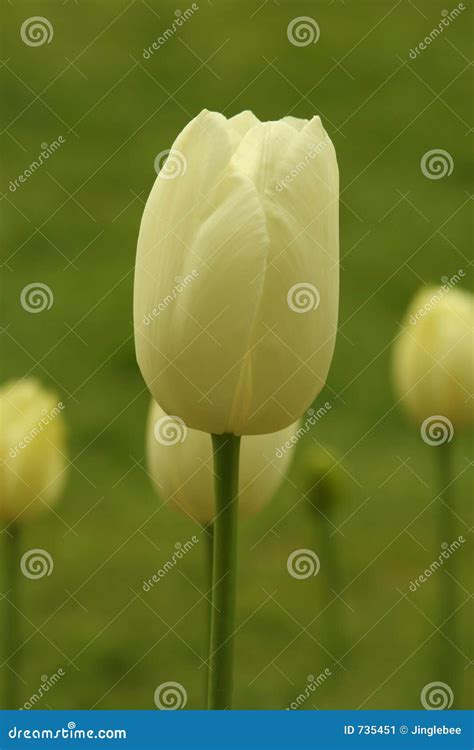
433, 358
433, 376
236, 301
32, 476
180, 465
242, 342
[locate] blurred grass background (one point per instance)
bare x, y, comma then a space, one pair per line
73, 225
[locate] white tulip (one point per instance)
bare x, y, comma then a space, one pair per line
180, 464
236, 279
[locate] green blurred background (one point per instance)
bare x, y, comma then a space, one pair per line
73, 225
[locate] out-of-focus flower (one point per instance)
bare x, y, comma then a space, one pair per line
319, 476
237, 276
32, 446
180, 464
433, 356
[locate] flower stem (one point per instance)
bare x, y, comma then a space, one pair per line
12, 620
226, 483
208, 531
447, 595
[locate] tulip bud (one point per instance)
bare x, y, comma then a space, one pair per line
320, 477
32, 445
180, 465
433, 356
236, 278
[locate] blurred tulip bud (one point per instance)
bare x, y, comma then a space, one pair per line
319, 476
181, 467
433, 356
32, 446
237, 277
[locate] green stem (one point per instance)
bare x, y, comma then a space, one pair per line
446, 533
12, 619
208, 532
226, 483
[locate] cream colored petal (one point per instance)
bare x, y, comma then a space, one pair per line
291, 349
242, 122
295, 122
